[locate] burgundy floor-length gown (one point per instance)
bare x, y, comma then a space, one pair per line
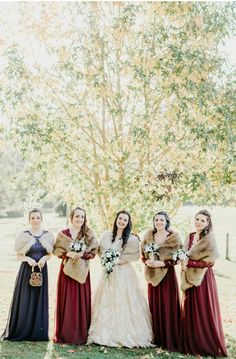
165, 309
73, 310
201, 331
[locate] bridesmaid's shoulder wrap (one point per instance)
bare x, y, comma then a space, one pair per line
25, 240
172, 243
205, 250
76, 269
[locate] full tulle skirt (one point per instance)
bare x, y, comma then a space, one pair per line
121, 315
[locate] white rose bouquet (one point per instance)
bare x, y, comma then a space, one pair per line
109, 259
151, 249
77, 247
181, 254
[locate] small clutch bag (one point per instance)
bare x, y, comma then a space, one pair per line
36, 278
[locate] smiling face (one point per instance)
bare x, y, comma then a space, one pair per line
78, 218
160, 222
35, 220
201, 222
122, 221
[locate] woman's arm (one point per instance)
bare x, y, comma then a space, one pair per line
152, 263
43, 260
170, 263
88, 255
143, 259
27, 259
157, 264
92, 247
199, 264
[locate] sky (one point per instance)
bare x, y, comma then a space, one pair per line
230, 50
9, 15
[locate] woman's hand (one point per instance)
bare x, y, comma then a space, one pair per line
42, 262
184, 265
154, 264
31, 262
74, 255
71, 254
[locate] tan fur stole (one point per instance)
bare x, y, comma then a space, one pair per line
131, 251
166, 251
205, 250
79, 268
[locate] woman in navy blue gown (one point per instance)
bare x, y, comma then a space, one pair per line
28, 316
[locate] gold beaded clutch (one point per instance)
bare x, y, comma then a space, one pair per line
36, 278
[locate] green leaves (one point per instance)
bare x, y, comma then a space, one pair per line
135, 109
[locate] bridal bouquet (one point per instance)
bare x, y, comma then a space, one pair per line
109, 259
151, 249
181, 254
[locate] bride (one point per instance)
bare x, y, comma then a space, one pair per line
121, 315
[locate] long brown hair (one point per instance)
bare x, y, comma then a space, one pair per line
126, 231
84, 228
208, 228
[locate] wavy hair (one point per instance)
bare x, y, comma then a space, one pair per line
208, 228
84, 228
126, 231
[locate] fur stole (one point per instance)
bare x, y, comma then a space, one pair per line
131, 251
79, 268
166, 251
25, 240
204, 249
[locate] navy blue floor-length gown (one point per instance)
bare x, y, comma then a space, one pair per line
28, 316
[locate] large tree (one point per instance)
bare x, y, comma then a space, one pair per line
124, 104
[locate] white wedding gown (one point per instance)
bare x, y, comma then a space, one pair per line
121, 314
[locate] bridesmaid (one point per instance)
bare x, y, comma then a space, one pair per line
73, 310
201, 327
28, 317
163, 292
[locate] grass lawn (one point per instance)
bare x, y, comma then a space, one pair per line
44, 350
